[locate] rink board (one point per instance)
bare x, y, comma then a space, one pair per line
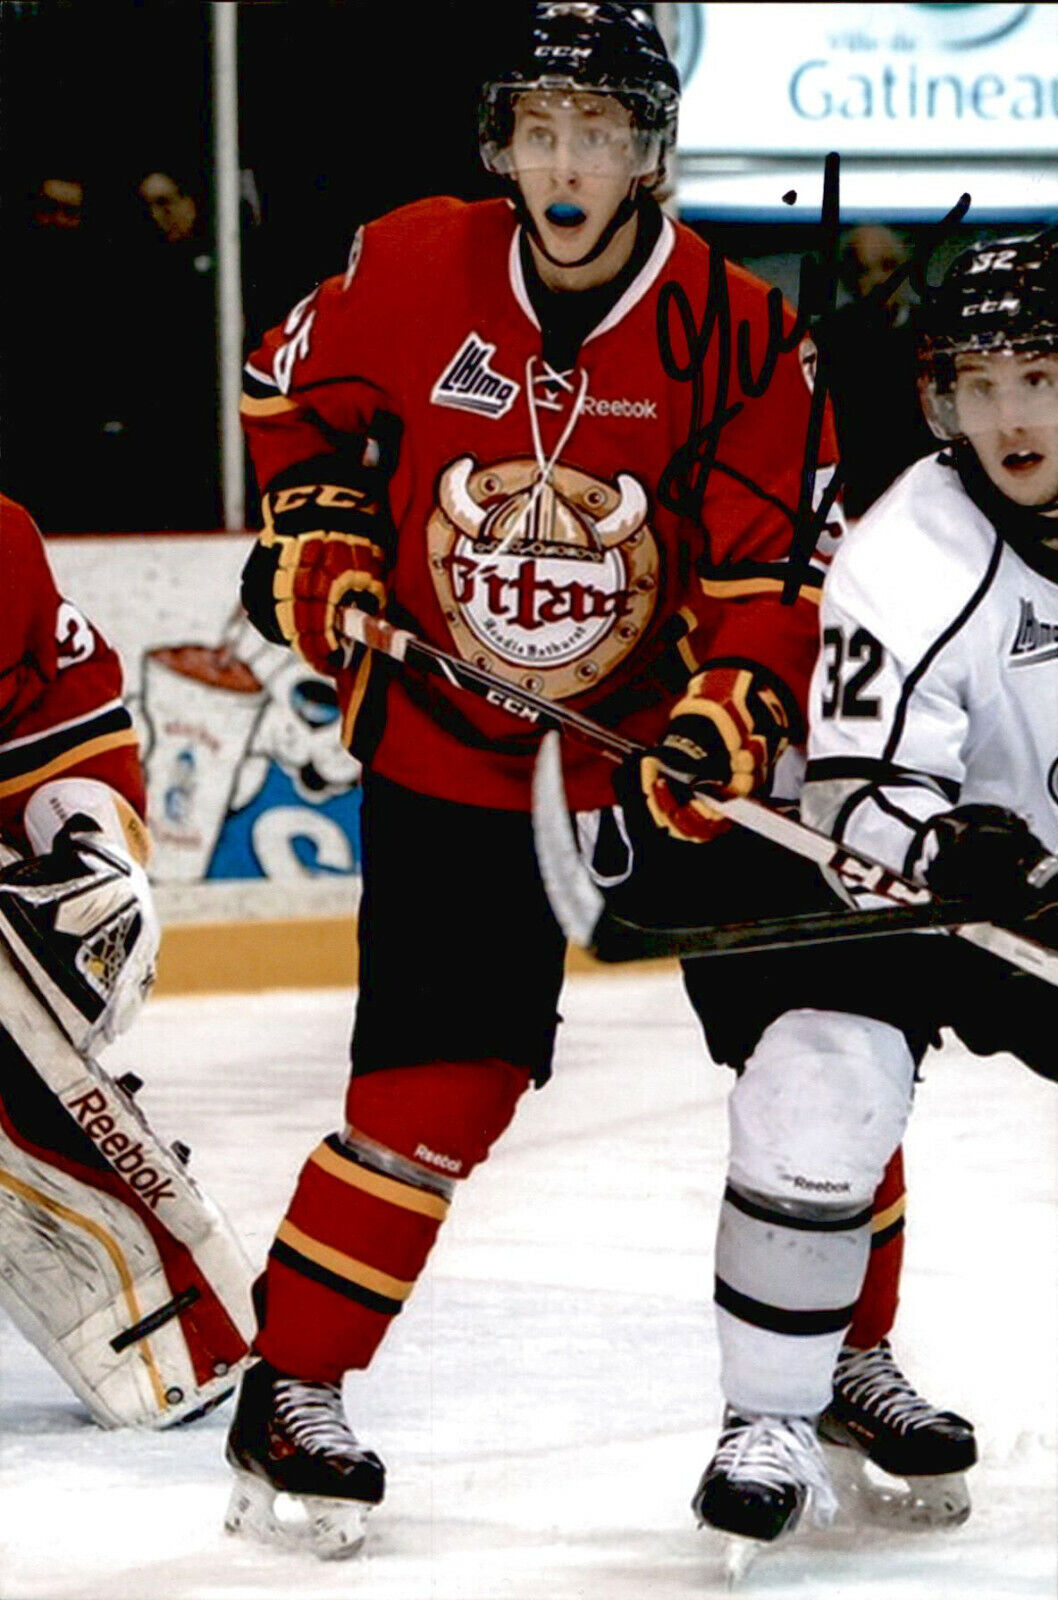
248, 784
306, 953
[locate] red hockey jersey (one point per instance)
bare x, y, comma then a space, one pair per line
61, 711
530, 536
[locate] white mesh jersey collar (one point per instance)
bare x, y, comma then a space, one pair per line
639, 286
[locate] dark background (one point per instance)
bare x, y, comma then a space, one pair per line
108, 406
346, 110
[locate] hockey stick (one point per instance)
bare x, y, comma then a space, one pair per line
579, 905
587, 918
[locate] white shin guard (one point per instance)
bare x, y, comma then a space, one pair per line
820, 1108
815, 1117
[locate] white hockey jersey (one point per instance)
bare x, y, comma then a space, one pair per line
937, 683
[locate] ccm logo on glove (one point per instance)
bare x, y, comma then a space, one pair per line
725, 736
316, 555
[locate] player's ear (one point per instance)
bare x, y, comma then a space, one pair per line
658, 184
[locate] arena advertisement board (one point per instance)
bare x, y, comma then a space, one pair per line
247, 778
916, 86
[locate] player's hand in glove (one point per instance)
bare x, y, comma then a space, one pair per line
317, 553
990, 858
79, 915
725, 735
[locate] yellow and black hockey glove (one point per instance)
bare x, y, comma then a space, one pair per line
725, 735
320, 550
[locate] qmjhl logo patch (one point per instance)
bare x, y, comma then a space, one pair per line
469, 382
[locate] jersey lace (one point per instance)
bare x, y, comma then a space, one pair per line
541, 376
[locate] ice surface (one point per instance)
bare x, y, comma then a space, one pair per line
546, 1402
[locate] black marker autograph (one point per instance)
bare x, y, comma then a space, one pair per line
682, 485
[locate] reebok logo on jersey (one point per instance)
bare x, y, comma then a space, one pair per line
470, 384
1034, 640
637, 409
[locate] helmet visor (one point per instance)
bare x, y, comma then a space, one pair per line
561, 129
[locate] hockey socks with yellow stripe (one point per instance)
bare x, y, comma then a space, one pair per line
368, 1206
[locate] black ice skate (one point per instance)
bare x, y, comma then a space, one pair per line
764, 1474
290, 1436
876, 1413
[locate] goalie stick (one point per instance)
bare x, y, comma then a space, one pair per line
579, 905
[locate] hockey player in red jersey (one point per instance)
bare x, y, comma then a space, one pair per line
112, 1262
473, 428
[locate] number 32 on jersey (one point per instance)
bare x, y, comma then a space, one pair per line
851, 663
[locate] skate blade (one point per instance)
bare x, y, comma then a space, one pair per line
740, 1557
332, 1530
743, 1554
926, 1503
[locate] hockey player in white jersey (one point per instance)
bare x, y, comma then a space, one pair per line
933, 748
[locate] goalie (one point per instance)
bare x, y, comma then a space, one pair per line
112, 1262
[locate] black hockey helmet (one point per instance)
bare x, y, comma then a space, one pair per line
1000, 294
606, 48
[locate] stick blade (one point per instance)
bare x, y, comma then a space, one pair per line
575, 900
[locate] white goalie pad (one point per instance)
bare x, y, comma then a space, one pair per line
113, 1263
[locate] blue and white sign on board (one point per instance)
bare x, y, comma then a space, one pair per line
910, 95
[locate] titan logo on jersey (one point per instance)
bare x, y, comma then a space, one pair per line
469, 383
547, 583
1034, 640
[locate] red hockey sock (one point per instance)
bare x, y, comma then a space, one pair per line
368, 1206
876, 1307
